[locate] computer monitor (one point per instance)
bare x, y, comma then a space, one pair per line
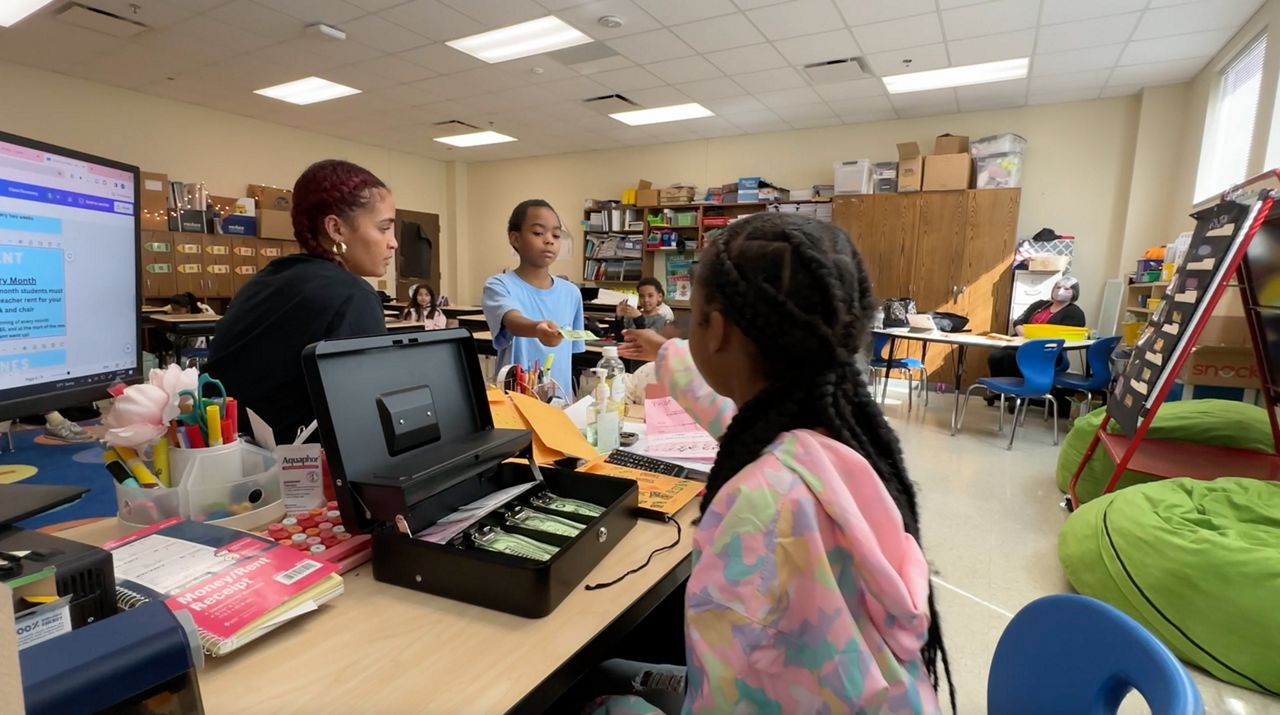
69, 276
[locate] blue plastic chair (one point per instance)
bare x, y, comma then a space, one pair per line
1037, 360
1074, 655
1098, 379
908, 365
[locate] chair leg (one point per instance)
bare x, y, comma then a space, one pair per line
1000, 423
964, 406
1046, 411
911, 389
884, 389
1055, 422
1019, 407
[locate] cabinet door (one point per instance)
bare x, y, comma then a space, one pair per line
895, 243
189, 259
935, 277
855, 215
244, 260
217, 266
269, 250
159, 280
987, 270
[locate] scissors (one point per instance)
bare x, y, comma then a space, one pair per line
196, 415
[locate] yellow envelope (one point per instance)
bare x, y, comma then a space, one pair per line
553, 427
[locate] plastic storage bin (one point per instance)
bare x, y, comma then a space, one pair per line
997, 161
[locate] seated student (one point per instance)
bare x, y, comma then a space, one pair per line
649, 314
1060, 309
526, 308
809, 589
344, 219
423, 309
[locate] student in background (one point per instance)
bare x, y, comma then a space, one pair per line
344, 219
187, 304
649, 315
422, 308
1060, 309
809, 589
526, 308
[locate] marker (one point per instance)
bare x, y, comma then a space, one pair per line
194, 438
550, 359
213, 418
160, 460
121, 474
228, 432
137, 467
233, 414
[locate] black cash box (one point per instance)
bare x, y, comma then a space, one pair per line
407, 431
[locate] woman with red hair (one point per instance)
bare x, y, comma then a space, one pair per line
344, 220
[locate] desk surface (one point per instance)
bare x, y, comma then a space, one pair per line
397, 324
487, 337
455, 310
971, 339
382, 648
184, 317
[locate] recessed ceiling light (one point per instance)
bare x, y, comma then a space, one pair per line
957, 76
11, 11
475, 139
534, 37
307, 91
657, 115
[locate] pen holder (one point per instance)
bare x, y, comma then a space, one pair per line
236, 485
143, 507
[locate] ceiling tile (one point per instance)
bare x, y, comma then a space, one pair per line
446, 87
657, 97
153, 15
788, 97
1057, 96
577, 88
605, 64
652, 46
734, 105
1055, 11
911, 59
865, 12
1157, 72
624, 80
942, 101
767, 80
759, 120
498, 13
753, 4
996, 95
860, 106
251, 17
948, 4
197, 35
1005, 46
1121, 91
990, 18
897, 34
489, 79
441, 59
1092, 79
822, 47
433, 19
816, 123
871, 115
804, 111
751, 58
1091, 58
683, 69
1194, 17
711, 127
380, 33
535, 70
706, 89
792, 19
1086, 33
377, 5
332, 12
586, 17
870, 87
329, 53
676, 12
1178, 47
379, 72
719, 33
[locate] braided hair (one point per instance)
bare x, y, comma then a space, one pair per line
331, 187
797, 289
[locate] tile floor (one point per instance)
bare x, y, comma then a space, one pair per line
990, 522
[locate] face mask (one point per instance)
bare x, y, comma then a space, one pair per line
1062, 295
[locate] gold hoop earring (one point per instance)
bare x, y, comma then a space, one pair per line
339, 248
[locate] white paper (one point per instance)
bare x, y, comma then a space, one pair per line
262, 433
462, 519
1186, 297
1201, 265
1156, 358
152, 185
165, 564
1140, 387
1170, 328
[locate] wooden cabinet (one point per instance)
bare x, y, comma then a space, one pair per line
418, 251
244, 260
189, 263
269, 250
947, 250
159, 280
218, 281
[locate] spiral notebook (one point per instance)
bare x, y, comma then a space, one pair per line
236, 585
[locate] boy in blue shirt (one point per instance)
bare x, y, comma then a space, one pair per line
526, 308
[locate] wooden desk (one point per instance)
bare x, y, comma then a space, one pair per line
380, 648
484, 344
187, 325
473, 323
453, 311
403, 326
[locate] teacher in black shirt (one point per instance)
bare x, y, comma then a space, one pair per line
344, 220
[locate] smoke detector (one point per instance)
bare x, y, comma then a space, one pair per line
612, 22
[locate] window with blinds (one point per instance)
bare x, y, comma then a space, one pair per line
1229, 136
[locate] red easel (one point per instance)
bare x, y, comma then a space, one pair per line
1258, 216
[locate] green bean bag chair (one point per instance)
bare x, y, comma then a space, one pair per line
1196, 563
1221, 422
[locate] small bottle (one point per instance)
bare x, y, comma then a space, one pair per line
608, 427
593, 410
877, 318
616, 379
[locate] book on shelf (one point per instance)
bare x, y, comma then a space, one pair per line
613, 219
237, 586
614, 247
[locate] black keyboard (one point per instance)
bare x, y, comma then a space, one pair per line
631, 460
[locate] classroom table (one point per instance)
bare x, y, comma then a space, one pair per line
453, 311
473, 322
395, 325
962, 341
193, 325
383, 648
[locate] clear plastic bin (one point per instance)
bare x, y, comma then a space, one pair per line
998, 171
997, 144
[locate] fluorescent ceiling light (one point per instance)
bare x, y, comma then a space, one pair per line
657, 115
475, 139
957, 76
11, 11
307, 91
534, 37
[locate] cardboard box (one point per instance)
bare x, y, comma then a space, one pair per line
1222, 366
947, 172
951, 144
275, 224
676, 195
646, 195
222, 206
852, 177
269, 197
153, 208
192, 221
910, 167
237, 225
